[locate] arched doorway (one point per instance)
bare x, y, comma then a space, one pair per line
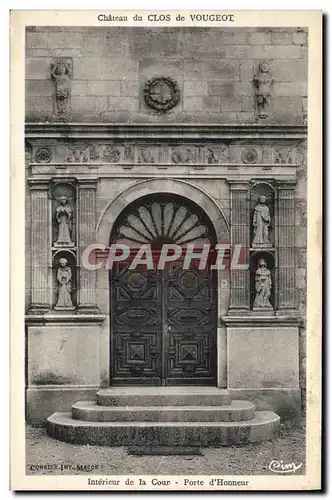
163, 321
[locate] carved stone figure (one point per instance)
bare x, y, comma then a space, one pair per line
111, 154
145, 155
64, 277
263, 284
284, 156
261, 223
61, 72
211, 156
262, 83
63, 216
78, 155
129, 153
182, 155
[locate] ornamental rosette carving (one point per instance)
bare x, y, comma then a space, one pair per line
43, 155
161, 93
249, 156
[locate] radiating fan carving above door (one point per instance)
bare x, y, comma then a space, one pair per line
160, 222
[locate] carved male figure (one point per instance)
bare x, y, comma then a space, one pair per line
261, 223
263, 285
262, 83
64, 276
63, 216
61, 72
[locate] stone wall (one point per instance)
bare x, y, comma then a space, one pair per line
213, 67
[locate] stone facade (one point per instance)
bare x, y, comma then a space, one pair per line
93, 137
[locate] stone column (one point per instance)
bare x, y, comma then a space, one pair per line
86, 234
286, 246
40, 246
240, 234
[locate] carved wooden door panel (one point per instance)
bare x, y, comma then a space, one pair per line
189, 326
136, 323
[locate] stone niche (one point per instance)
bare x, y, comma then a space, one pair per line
63, 196
257, 192
269, 258
69, 255
262, 245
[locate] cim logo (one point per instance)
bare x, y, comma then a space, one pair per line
279, 467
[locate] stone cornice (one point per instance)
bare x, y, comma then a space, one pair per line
165, 131
42, 319
259, 321
232, 172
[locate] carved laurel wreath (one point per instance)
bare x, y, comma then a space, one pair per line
154, 103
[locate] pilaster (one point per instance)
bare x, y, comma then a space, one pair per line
286, 246
40, 291
240, 227
86, 236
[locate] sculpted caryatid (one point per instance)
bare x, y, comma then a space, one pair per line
262, 83
63, 216
263, 285
64, 279
61, 72
261, 222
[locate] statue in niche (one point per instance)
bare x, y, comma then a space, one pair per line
63, 216
61, 72
64, 276
261, 223
262, 84
263, 285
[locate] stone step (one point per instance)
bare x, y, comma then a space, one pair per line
265, 425
234, 412
163, 396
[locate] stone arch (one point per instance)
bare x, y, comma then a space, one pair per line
163, 185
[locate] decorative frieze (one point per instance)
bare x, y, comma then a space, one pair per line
144, 153
101, 153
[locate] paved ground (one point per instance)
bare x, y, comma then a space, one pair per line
64, 458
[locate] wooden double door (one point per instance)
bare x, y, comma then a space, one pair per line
163, 325
163, 322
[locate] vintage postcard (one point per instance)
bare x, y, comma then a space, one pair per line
166, 249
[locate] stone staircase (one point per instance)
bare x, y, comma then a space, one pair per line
163, 416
